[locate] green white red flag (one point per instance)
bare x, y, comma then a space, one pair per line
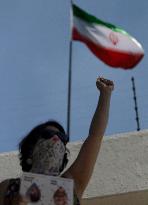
111, 44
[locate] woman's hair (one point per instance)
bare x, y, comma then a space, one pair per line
27, 144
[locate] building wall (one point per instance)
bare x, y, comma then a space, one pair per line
131, 198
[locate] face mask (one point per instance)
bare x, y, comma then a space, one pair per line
48, 156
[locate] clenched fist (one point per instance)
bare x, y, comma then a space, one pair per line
104, 85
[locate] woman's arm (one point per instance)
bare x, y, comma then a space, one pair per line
82, 168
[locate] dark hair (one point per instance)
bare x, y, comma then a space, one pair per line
27, 144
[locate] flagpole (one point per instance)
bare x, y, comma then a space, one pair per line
69, 81
136, 106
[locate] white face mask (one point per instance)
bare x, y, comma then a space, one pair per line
48, 156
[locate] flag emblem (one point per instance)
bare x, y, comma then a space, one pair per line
113, 38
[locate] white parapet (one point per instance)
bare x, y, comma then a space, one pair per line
121, 168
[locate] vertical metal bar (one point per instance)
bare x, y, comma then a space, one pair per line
136, 106
69, 76
69, 90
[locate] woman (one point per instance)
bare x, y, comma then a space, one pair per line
44, 151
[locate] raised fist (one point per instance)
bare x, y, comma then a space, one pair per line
104, 85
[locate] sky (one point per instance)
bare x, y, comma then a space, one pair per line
34, 58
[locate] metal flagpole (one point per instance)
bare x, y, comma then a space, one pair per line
136, 106
69, 79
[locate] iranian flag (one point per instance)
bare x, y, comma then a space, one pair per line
111, 44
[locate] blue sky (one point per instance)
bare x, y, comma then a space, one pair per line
34, 53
